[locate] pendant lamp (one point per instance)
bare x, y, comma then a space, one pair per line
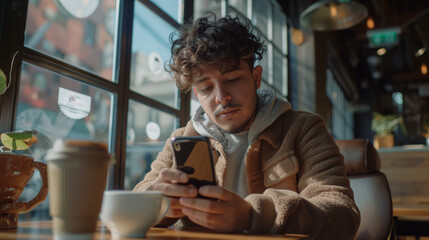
328, 15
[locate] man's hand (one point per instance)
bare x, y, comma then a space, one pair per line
228, 212
167, 184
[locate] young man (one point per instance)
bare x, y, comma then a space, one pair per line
278, 170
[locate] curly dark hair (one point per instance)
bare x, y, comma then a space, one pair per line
220, 42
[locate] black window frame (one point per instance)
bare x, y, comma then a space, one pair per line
12, 34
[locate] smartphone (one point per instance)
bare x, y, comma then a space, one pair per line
193, 155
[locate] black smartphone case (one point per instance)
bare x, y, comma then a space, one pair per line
193, 155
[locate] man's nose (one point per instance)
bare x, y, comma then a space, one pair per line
222, 96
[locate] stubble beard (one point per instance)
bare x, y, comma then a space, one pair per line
245, 125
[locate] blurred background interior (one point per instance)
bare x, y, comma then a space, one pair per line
380, 62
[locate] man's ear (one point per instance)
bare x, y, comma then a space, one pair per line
257, 75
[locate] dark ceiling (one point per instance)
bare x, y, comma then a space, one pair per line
400, 66
399, 69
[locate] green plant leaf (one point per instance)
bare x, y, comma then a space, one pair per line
385, 124
22, 134
426, 122
3, 83
19, 140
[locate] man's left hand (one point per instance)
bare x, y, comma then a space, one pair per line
225, 212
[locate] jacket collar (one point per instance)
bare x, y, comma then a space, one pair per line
271, 135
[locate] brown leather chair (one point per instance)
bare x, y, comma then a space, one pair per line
370, 187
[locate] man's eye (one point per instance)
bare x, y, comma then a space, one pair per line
205, 89
232, 80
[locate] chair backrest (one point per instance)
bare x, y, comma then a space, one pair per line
370, 187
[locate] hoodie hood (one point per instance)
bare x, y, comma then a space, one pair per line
270, 107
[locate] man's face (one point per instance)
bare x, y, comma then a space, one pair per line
229, 98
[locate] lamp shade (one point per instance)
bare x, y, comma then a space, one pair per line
329, 15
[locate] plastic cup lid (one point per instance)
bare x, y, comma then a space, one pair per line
77, 147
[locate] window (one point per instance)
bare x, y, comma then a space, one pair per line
147, 131
150, 50
279, 30
54, 27
342, 121
107, 60
89, 33
280, 73
261, 16
85, 74
265, 63
173, 8
202, 6
239, 6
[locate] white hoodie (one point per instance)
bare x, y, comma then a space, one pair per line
270, 107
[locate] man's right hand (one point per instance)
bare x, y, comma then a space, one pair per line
167, 183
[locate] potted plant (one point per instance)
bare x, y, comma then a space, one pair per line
16, 169
426, 127
384, 126
18, 140
3, 83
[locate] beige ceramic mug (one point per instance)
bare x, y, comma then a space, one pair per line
15, 172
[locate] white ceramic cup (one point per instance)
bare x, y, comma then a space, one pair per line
130, 214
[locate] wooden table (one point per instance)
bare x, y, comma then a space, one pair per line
411, 219
408, 210
40, 230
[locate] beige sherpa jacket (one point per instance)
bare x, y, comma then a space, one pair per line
296, 178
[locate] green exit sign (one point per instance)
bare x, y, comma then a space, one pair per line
383, 37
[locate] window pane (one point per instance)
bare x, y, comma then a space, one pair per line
173, 8
239, 5
279, 65
261, 13
147, 131
150, 50
203, 6
58, 107
286, 77
279, 30
233, 13
78, 32
265, 62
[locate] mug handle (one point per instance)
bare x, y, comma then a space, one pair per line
164, 208
41, 196
22, 207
